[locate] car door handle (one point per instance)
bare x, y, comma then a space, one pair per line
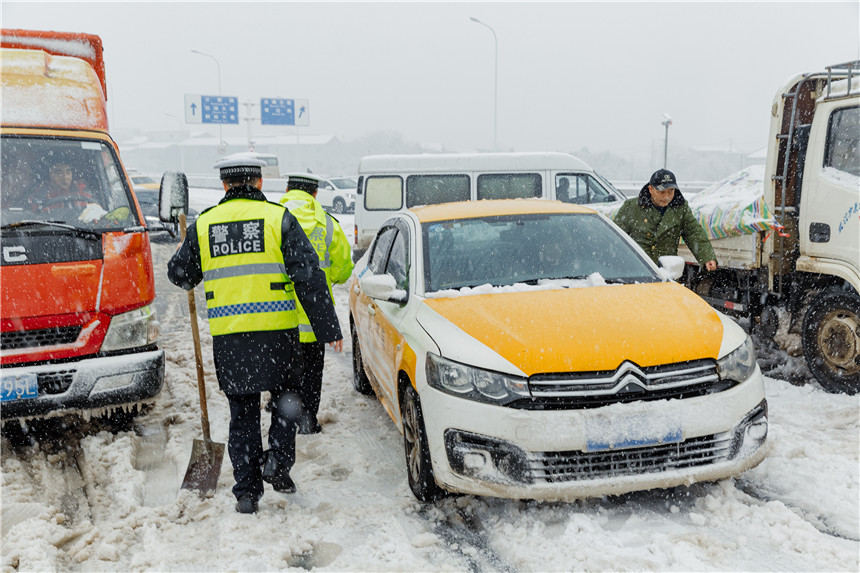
371, 311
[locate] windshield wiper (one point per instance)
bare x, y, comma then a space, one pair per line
57, 224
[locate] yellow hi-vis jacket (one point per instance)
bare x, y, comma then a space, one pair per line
328, 240
246, 282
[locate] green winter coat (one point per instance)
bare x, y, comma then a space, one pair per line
660, 234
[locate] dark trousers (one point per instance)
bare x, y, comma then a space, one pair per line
313, 358
245, 442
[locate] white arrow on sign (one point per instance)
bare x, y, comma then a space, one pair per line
193, 108
302, 111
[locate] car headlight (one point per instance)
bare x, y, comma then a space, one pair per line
131, 330
738, 364
474, 383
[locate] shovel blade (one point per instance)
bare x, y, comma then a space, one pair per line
204, 467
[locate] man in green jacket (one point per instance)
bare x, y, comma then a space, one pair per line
660, 216
335, 259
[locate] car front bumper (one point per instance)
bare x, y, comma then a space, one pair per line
563, 455
91, 384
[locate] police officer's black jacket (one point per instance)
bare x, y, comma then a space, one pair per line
251, 362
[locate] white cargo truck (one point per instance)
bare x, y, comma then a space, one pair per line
808, 270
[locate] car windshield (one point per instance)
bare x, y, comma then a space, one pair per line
509, 249
73, 182
344, 183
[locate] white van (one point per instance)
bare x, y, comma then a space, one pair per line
389, 184
271, 170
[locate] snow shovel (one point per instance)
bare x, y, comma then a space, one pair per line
206, 455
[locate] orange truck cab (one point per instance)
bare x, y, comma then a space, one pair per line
77, 326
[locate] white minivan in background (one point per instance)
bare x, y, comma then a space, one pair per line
389, 184
335, 194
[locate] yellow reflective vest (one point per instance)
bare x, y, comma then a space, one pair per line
328, 240
247, 287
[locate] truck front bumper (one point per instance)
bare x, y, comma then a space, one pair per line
85, 385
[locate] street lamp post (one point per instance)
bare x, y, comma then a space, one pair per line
667, 121
221, 146
495, 83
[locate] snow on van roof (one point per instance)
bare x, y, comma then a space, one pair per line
40, 90
465, 162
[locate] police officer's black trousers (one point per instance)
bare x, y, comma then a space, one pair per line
245, 442
313, 358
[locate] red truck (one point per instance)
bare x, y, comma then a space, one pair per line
77, 326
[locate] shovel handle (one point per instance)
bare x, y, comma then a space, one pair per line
198, 353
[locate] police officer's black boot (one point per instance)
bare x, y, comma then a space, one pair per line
247, 503
277, 475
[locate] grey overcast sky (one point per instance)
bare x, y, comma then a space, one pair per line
570, 74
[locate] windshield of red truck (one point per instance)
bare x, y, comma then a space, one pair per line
75, 182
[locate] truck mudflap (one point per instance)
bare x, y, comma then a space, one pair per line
82, 386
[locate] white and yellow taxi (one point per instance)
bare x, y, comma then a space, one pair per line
530, 349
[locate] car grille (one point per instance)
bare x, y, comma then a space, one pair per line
553, 467
14, 340
626, 384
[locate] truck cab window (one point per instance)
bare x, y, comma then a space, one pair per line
843, 141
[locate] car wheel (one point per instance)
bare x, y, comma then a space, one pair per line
338, 205
831, 340
360, 381
419, 468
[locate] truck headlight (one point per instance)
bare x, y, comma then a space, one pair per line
738, 364
474, 383
131, 330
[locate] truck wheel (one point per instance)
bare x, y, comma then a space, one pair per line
339, 205
419, 468
360, 381
831, 340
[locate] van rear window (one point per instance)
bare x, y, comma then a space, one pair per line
509, 186
434, 189
383, 193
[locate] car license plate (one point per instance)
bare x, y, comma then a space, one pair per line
19, 386
636, 430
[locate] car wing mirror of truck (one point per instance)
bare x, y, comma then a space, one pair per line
382, 287
672, 266
172, 196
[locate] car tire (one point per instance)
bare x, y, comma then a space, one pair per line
419, 467
831, 340
338, 205
360, 381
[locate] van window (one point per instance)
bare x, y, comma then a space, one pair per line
509, 186
580, 188
843, 147
433, 189
383, 193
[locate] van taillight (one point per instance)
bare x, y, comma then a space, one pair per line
356, 234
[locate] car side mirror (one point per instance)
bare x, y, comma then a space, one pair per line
382, 287
672, 266
172, 196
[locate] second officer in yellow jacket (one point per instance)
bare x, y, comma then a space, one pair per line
335, 259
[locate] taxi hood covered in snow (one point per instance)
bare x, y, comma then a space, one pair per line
76, 281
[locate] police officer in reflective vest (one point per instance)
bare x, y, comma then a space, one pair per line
255, 262
335, 259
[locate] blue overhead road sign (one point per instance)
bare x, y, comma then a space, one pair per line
211, 109
277, 111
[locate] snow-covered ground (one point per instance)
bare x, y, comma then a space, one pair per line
111, 502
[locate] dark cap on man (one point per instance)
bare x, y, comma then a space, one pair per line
663, 179
239, 165
308, 184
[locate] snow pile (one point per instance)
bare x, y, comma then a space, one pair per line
594, 279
